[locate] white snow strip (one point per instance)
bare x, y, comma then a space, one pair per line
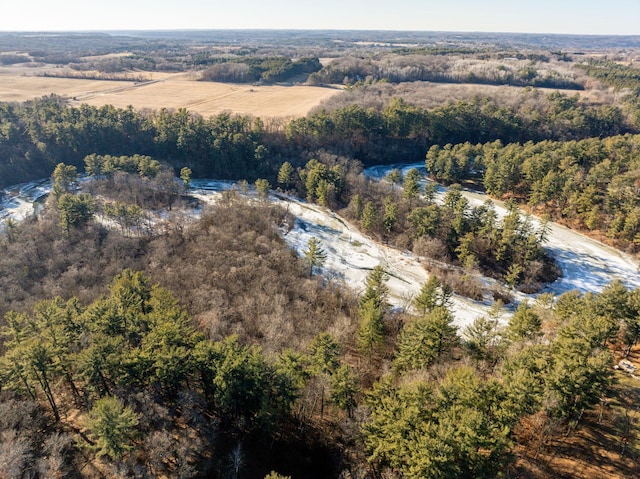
587, 265
18, 201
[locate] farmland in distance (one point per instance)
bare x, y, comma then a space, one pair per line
172, 91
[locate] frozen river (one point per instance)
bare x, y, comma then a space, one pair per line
587, 265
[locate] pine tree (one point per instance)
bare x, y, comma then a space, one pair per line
74, 210
373, 304
581, 371
324, 353
432, 294
185, 175
369, 219
114, 427
357, 206
344, 388
285, 175
422, 341
63, 178
394, 177
390, 215
525, 324
314, 255
411, 185
375, 288
371, 329
262, 188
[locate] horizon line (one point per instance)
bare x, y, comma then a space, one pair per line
283, 29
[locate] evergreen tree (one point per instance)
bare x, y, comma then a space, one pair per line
369, 218
411, 185
631, 322
456, 428
524, 325
262, 188
432, 294
524, 376
324, 359
185, 175
324, 353
344, 388
424, 339
581, 371
390, 215
357, 206
371, 328
375, 288
314, 255
394, 177
285, 175
63, 177
114, 426
74, 210
426, 220
480, 337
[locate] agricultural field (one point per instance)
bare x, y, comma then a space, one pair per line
212, 98
169, 91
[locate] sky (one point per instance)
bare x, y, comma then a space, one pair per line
612, 17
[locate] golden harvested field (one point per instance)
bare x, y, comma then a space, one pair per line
21, 88
170, 91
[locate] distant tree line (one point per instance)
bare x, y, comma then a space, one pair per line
253, 69
96, 75
37, 135
612, 73
400, 131
119, 64
620, 77
436, 65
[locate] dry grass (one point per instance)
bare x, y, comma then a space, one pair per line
167, 90
209, 98
22, 88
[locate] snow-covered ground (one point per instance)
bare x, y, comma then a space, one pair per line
19, 201
587, 265
351, 255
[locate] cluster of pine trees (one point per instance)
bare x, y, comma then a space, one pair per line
406, 213
37, 135
463, 417
591, 183
137, 344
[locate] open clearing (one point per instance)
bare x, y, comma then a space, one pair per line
170, 91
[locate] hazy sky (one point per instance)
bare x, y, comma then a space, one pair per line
620, 17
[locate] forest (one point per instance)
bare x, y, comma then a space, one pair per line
144, 333
38, 134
